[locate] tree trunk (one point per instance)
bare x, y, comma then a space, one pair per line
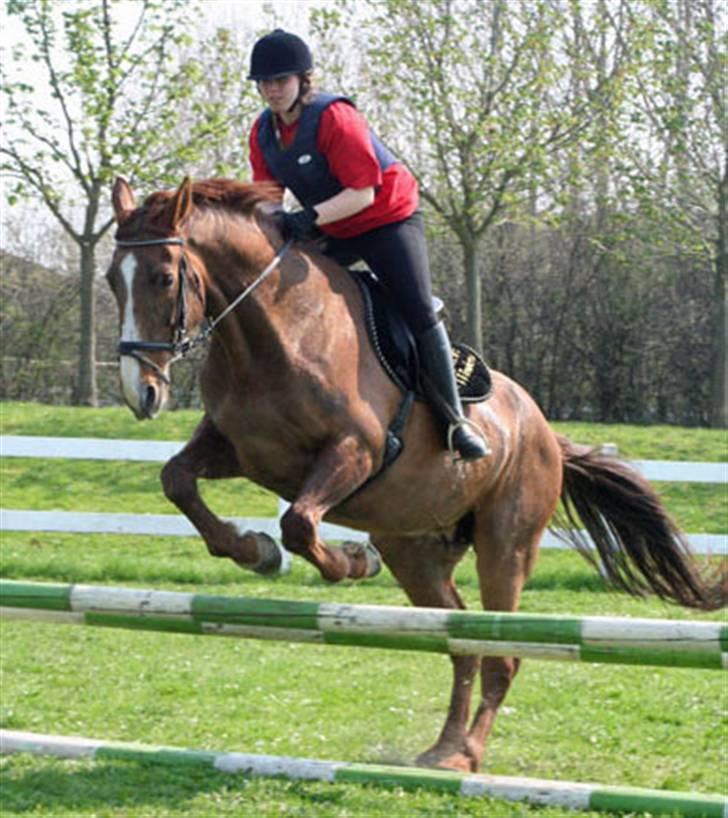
718, 397
86, 394
475, 310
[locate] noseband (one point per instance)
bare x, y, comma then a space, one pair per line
182, 344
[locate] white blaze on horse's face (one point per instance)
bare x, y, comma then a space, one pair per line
143, 391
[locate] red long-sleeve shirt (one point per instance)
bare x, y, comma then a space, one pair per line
343, 138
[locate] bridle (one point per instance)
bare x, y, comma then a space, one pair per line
182, 344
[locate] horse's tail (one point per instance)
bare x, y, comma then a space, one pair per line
639, 548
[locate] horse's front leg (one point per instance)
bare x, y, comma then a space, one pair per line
340, 469
210, 455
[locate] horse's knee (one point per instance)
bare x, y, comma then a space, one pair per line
298, 531
177, 482
496, 675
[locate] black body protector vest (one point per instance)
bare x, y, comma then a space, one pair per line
301, 167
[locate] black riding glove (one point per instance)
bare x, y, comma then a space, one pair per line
299, 225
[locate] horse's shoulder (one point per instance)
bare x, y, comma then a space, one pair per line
340, 280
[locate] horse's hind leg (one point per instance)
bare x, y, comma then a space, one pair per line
508, 528
504, 563
424, 566
211, 456
338, 471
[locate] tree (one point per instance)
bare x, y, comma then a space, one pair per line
679, 145
119, 94
474, 89
223, 91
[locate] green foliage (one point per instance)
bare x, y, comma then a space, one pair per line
477, 88
604, 122
678, 109
481, 98
127, 98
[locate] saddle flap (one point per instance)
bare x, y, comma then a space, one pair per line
396, 348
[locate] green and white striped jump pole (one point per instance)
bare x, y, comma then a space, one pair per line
535, 791
590, 639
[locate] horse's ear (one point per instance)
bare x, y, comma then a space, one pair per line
122, 198
180, 205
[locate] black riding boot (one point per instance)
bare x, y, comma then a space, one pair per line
440, 384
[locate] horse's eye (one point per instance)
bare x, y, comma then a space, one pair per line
165, 280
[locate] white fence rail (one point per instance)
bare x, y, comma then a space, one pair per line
153, 451
174, 525
81, 448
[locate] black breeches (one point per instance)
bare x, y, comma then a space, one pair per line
397, 253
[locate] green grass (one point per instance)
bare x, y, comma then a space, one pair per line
697, 508
110, 422
635, 442
108, 486
85, 485
639, 726
652, 442
646, 727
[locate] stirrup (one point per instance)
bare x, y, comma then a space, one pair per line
459, 424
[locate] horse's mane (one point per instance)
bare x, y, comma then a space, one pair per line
224, 195
241, 197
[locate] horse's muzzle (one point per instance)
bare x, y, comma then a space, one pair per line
144, 391
151, 400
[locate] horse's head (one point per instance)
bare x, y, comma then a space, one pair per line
159, 291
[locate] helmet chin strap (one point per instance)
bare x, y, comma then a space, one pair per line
295, 103
299, 96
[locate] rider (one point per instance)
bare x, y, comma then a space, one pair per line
355, 191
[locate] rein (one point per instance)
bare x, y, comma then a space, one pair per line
182, 344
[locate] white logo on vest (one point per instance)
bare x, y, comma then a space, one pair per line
304, 159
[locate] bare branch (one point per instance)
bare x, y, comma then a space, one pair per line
35, 178
56, 85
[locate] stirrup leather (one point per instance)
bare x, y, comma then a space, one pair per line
453, 427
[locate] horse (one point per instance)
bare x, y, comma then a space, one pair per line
296, 400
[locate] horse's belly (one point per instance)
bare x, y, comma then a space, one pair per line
410, 502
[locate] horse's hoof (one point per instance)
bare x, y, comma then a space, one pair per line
275, 560
365, 552
440, 760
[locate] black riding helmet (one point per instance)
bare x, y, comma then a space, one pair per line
278, 54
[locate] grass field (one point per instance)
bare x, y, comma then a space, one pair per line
645, 727
84, 485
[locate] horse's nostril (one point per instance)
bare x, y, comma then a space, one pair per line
150, 399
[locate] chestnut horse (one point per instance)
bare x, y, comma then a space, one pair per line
297, 401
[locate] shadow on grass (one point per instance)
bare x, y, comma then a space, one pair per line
585, 580
552, 579
141, 788
582, 581
58, 788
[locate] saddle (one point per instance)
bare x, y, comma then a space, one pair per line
396, 347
